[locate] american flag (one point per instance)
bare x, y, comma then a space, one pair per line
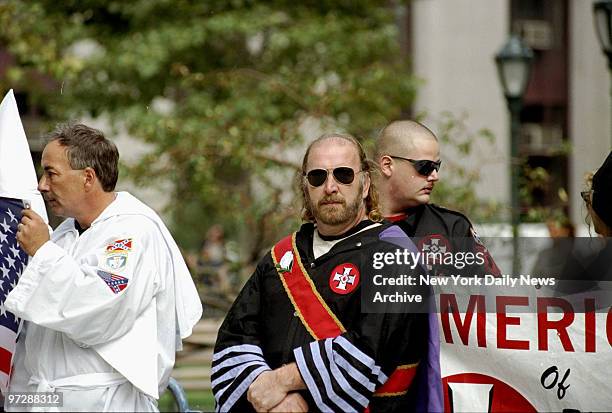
13, 261
115, 282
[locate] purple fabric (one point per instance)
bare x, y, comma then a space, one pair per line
430, 397
429, 376
395, 235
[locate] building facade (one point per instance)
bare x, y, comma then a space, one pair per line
565, 120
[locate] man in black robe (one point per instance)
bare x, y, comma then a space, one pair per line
298, 337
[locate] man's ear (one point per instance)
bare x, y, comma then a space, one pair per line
386, 166
90, 178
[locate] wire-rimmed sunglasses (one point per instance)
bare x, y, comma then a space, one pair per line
342, 174
422, 166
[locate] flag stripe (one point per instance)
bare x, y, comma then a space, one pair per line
12, 263
7, 338
4, 381
5, 360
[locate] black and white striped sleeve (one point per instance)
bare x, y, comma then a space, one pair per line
339, 376
233, 370
238, 357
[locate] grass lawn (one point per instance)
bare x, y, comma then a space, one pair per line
202, 400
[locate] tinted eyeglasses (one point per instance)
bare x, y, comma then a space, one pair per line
342, 174
424, 166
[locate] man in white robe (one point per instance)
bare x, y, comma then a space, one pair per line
107, 298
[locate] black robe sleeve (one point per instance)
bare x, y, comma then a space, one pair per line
238, 356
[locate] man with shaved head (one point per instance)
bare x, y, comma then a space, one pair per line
297, 337
408, 154
409, 157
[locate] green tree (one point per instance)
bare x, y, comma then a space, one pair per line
219, 88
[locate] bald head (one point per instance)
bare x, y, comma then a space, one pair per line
400, 146
334, 139
401, 137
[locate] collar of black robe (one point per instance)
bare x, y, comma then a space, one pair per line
409, 219
79, 227
406, 214
363, 224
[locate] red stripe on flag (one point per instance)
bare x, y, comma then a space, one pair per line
5, 360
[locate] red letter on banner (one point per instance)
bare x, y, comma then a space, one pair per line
589, 325
449, 302
560, 325
503, 320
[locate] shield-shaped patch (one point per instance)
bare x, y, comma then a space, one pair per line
116, 261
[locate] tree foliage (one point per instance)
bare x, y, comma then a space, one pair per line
219, 88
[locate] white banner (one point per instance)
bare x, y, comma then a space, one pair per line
525, 349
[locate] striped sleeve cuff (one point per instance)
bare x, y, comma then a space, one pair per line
233, 370
339, 376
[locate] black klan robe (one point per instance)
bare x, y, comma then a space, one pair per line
264, 331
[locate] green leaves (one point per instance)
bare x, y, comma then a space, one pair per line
220, 89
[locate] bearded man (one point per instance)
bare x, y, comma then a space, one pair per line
297, 337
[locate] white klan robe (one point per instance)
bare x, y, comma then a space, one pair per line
106, 311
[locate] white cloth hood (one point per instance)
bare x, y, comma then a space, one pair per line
17, 175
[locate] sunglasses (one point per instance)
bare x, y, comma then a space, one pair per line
424, 167
342, 174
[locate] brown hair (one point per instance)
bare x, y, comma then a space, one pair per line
367, 166
87, 147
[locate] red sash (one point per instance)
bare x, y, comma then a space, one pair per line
399, 381
313, 311
317, 317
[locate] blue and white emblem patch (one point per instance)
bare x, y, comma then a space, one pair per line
116, 261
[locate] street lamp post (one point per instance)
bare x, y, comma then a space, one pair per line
602, 12
514, 67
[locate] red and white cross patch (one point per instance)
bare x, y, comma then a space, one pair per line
120, 245
435, 245
344, 278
